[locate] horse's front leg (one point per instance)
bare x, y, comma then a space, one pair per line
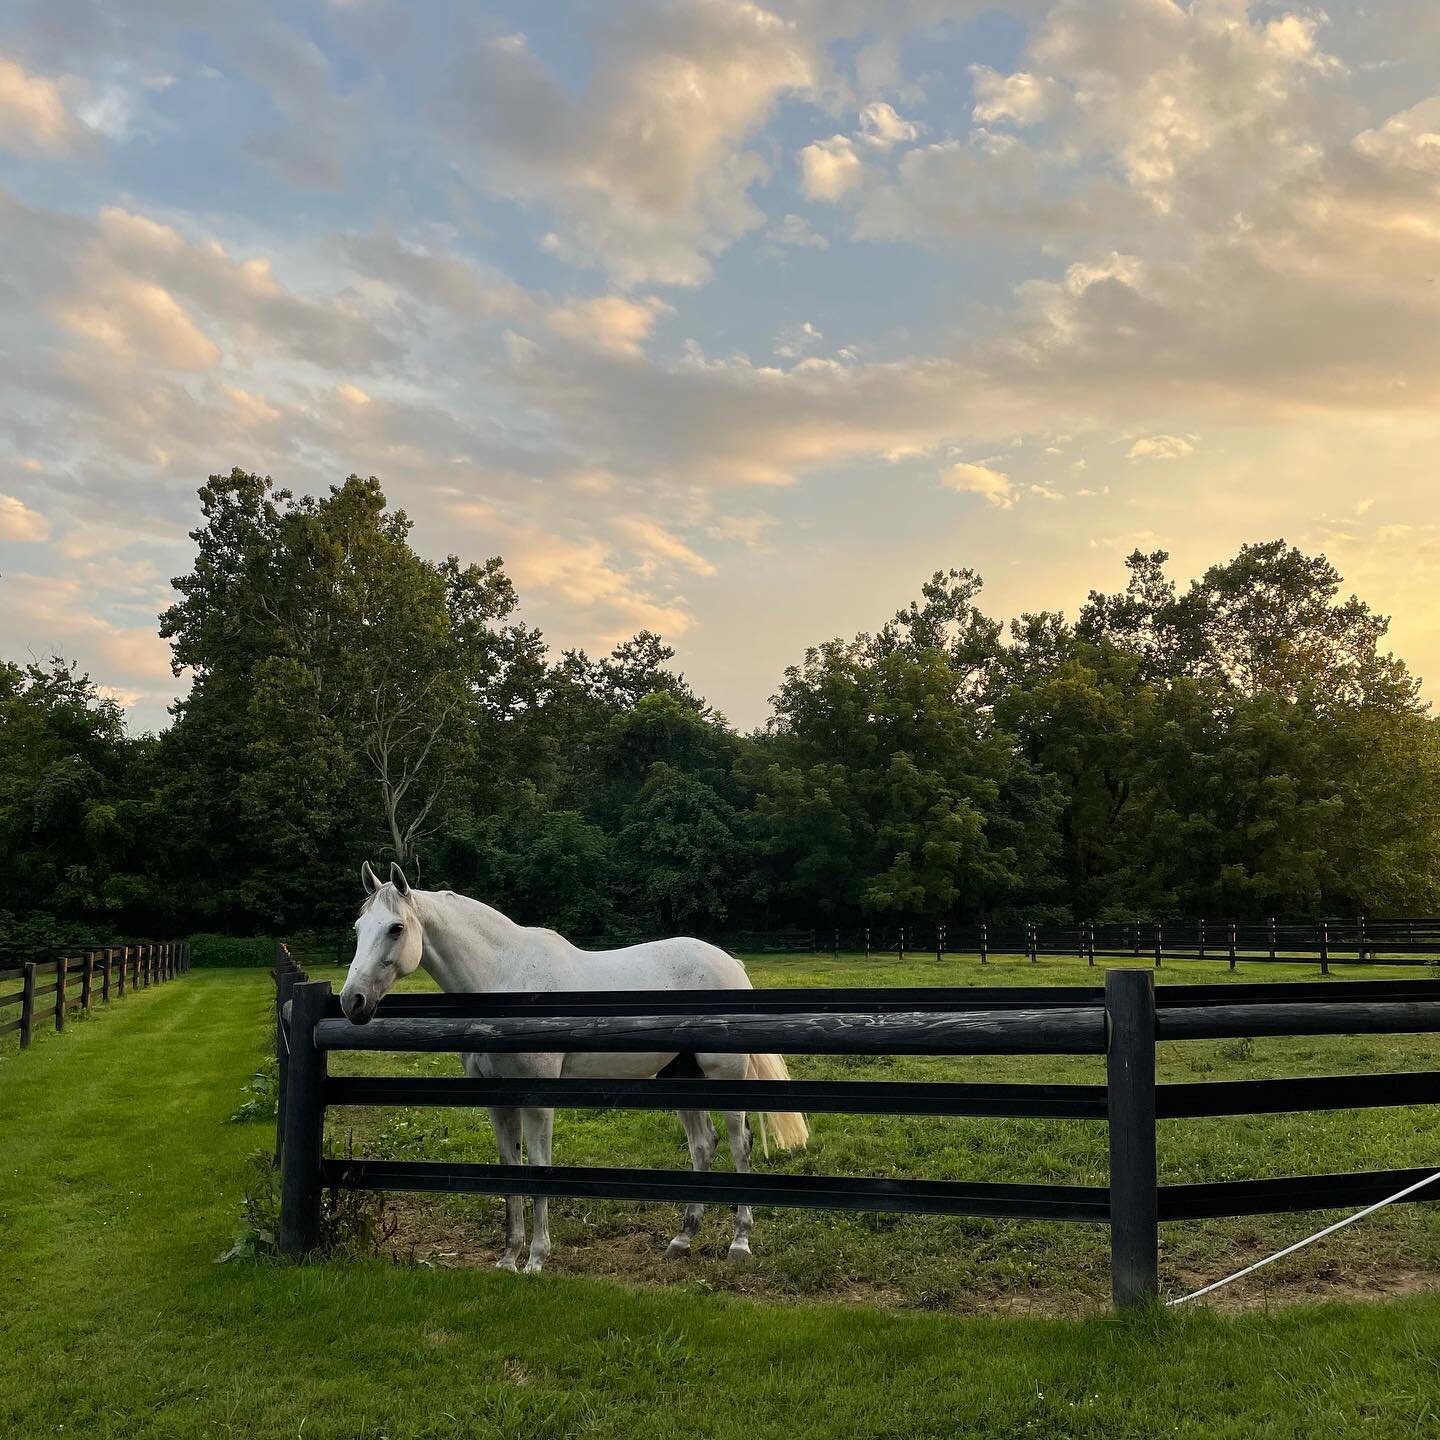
539, 1128
506, 1122
700, 1135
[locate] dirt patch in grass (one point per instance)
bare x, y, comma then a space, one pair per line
432, 1233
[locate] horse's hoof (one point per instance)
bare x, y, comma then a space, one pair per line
739, 1252
678, 1248
508, 1262
533, 1267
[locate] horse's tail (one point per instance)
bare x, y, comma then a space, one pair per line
791, 1131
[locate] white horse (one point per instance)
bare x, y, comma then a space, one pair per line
468, 947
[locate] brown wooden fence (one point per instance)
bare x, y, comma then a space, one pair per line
51, 989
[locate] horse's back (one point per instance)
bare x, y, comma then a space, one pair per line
679, 963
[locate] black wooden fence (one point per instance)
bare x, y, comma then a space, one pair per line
1124, 1020
80, 981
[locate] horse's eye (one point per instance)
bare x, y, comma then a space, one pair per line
396, 928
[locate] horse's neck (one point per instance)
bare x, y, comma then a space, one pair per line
468, 946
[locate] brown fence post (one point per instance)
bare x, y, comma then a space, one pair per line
105, 974
124, 966
300, 1187
62, 976
87, 980
27, 1006
1130, 1101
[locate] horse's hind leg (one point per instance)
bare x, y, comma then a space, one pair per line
539, 1128
740, 1141
507, 1141
700, 1135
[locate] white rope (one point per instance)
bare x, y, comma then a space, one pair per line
1309, 1239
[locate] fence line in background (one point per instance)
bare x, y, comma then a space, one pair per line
98, 974
1124, 1020
1335, 940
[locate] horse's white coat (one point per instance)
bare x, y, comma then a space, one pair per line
467, 946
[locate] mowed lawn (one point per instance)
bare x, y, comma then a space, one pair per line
120, 1182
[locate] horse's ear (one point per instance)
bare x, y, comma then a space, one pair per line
369, 880
397, 878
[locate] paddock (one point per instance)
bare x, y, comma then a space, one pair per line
1123, 1023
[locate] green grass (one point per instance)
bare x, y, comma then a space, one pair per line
121, 1178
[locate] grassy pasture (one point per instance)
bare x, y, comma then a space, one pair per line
121, 1176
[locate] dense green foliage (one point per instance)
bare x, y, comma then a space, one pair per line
1240, 747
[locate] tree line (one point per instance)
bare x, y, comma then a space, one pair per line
1239, 747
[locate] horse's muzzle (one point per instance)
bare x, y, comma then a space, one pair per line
357, 1012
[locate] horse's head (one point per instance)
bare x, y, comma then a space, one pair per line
388, 943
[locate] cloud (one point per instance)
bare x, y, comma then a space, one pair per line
646, 171
880, 127
982, 480
829, 169
1161, 447
1021, 98
746, 530
583, 572
34, 118
19, 522
651, 538
135, 319
608, 322
792, 232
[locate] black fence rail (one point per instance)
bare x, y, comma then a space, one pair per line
52, 989
1124, 1020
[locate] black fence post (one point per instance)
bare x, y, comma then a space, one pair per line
1032, 943
835, 948
984, 943
1202, 940
902, 943
1159, 944
304, 1123
1324, 947
1090, 942
1270, 924
1360, 939
1232, 944
867, 942
1130, 1101
27, 1006
939, 943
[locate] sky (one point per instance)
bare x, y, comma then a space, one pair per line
728, 320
